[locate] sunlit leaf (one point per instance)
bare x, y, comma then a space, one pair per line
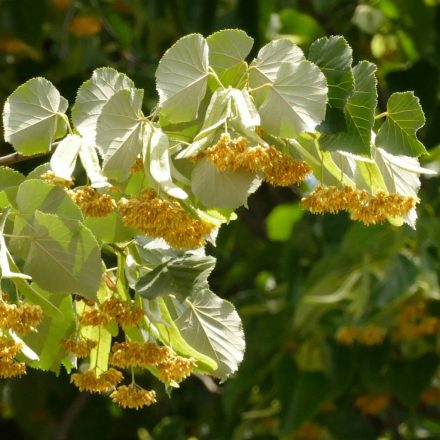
63, 161
33, 116
212, 326
181, 78
397, 134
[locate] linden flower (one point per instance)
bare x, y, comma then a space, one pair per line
164, 218
372, 403
133, 396
10, 368
431, 396
94, 317
88, 381
9, 348
137, 166
138, 354
50, 177
21, 319
92, 203
175, 369
346, 335
278, 169
79, 347
123, 312
371, 335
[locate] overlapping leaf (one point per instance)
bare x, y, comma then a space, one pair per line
63, 161
212, 326
228, 50
33, 116
119, 133
181, 78
359, 114
397, 134
91, 97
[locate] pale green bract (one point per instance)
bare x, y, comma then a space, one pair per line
320, 110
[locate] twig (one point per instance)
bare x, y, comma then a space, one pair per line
17, 157
62, 431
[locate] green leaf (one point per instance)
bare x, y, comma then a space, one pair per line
212, 326
217, 113
109, 229
62, 259
33, 117
35, 194
181, 78
280, 221
91, 97
177, 276
228, 50
334, 57
217, 189
119, 133
306, 394
296, 101
63, 160
46, 342
100, 354
9, 181
159, 164
405, 116
359, 114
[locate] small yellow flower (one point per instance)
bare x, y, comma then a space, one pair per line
21, 319
92, 203
138, 354
49, 177
133, 396
10, 368
89, 381
79, 347
175, 369
123, 312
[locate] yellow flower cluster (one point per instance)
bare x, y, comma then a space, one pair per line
369, 335
175, 369
156, 217
362, 206
309, 431
415, 322
94, 317
123, 312
8, 366
138, 354
431, 396
234, 154
79, 347
133, 396
89, 381
49, 177
372, 404
92, 203
21, 319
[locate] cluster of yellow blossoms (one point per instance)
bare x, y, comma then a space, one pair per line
167, 219
92, 203
369, 335
20, 319
234, 154
133, 396
372, 404
125, 313
50, 177
9, 367
415, 322
79, 347
93, 383
362, 206
171, 368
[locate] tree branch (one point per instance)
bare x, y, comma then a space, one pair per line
17, 157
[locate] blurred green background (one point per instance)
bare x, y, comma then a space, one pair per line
341, 320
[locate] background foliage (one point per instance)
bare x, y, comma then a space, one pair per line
341, 320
